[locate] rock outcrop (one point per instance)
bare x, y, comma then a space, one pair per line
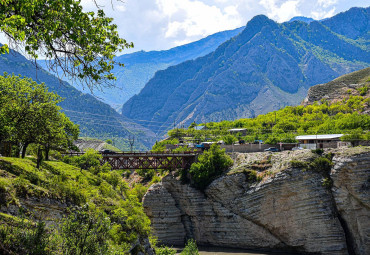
290, 210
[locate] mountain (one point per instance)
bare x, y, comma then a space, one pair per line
140, 66
95, 118
355, 84
267, 66
301, 18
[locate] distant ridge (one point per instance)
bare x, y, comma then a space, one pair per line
141, 66
301, 18
266, 67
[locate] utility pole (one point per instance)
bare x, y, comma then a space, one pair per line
131, 141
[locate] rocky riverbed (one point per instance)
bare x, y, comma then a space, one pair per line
289, 208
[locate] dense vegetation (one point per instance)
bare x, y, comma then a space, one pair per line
211, 164
103, 208
343, 116
29, 114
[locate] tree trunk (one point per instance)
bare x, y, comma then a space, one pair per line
39, 157
24, 149
47, 149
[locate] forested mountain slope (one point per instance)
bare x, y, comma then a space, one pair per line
95, 118
267, 66
141, 66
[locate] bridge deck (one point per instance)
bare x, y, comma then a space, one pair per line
147, 160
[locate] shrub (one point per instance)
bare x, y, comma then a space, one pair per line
164, 250
298, 164
318, 151
251, 175
190, 248
147, 174
85, 231
363, 90
321, 165
89, 159
210, 165
25, 238
229, 139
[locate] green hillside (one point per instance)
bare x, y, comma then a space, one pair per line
344, 112
95, 203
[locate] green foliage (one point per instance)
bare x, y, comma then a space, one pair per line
82, 44
325, 118
318, 151
164, 250
113, 221
211, 164
190, 248
25, 238
30, 114
85, 231
147, 174
109, 141
229, 139
298, 164
321, 165
354, 136
363, 90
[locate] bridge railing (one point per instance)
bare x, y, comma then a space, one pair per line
140, 153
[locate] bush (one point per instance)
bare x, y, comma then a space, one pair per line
298, 164
92, 226
229, 139
321, 165
190, 248
24, 238
318, 151
210, 165
164, 250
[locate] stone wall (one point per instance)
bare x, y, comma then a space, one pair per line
291, 210
245, 148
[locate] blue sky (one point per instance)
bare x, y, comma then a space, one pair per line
163, 24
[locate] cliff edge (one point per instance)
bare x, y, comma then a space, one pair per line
293, 208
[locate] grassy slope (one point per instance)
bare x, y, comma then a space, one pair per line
58, 183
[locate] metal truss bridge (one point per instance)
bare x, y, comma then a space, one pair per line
148, 160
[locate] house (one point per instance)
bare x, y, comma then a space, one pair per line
234, 131
319, 141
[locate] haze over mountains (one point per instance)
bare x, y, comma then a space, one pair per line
141, 66
267, 66
96, 119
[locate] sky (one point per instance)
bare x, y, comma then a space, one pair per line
163, 24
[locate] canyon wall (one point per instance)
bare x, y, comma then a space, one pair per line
291, 209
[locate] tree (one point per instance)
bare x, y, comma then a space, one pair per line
210, 164
31, 115
81, 44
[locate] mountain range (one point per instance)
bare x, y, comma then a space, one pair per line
267, 66
141, 66
96, 119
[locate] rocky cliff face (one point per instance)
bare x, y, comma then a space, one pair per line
341, 87
290, 210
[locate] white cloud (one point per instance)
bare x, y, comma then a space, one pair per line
326, 3
195, 18
282, 12
322, 14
